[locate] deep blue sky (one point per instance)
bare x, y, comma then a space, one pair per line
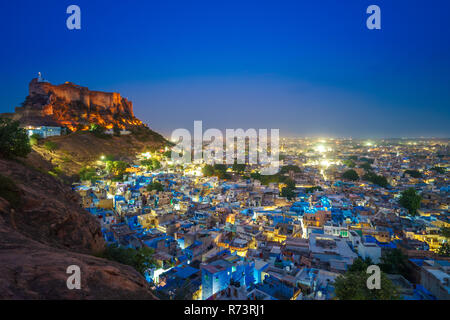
305, 67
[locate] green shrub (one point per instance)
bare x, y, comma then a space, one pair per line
151, 164
117, 168
410, 200
66, 159
99, 131
14, 141
34, 139
286, 169
87, 173
155, 186
376, 179
57, 170
116, 131
351, 175
414, 173
353, 285
366, 166
313, 189
439, 170
53, 174
140, 259
50, 145
349, 163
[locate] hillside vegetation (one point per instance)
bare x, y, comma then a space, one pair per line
69, 153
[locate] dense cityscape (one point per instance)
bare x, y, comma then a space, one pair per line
225, 158
224, 232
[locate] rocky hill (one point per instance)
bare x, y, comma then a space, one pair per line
84, 148
43, 230
75, 107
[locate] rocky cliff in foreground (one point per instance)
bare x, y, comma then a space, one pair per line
43, 230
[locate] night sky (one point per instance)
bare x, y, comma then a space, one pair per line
306, 67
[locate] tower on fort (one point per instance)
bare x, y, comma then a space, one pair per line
40, 78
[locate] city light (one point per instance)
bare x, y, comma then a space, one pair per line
325, 163
146, 155
320, 148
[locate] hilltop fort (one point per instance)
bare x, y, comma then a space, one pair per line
73, 106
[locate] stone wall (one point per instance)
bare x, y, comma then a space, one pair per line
71, 92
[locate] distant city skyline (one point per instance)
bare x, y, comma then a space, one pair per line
309, 69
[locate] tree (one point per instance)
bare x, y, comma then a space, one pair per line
87, 173
147, 163
394, 262
349, 163
376, 179
368, 160
155, 186
34, 139
287, 193
98, 131
221, 174
143, 259
109, 157
151, 164
120, 167
238, 167
117, 168
353, 286
255, 175
116, 131
439, 170
445, 232
14, 140
351, 175
313, 189
208, 170
288, 168
290, 183
140, 259
410, 200
218, 170
156, 164
119, 254
444, 249
360, 264
93, 127
220, 167
366, 166
414, 173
